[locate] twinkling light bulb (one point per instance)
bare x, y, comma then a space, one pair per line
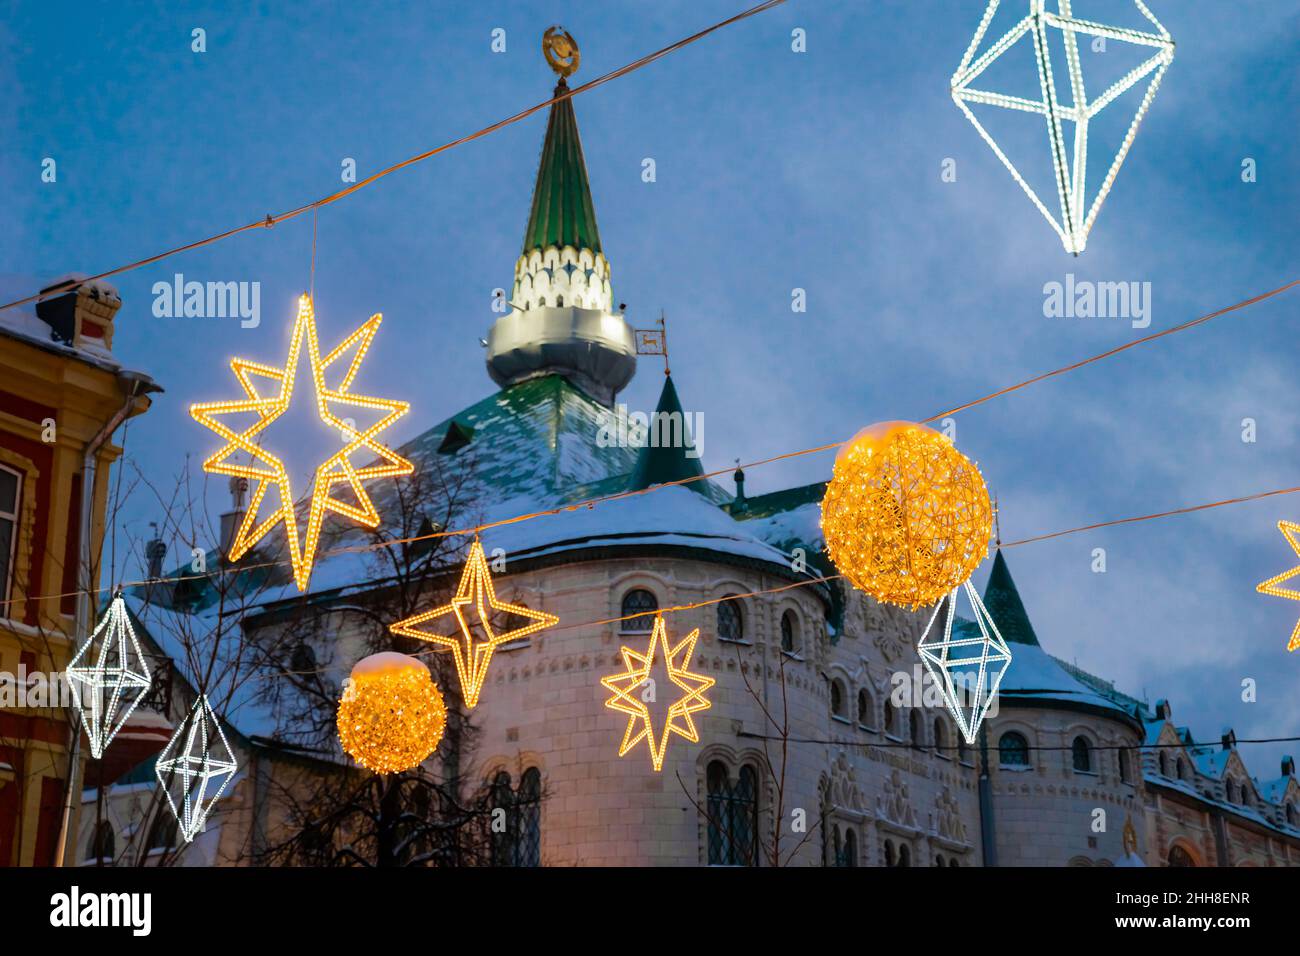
111, 686
1076, 217
199, 759
267, 470
906, 516
391, 716
473, 656
629, 697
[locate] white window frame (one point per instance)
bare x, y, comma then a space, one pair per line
6, 586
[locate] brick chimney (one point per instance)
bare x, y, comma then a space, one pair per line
83, 314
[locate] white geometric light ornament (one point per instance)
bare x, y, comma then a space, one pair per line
106, 691
200, 759
1076, 216
966, 665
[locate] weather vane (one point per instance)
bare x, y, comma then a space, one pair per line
561, 51
654, 341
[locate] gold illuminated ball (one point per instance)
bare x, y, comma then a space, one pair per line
391, 716
906, 515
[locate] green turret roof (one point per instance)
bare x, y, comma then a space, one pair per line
1003, 602
562, 213
663, 460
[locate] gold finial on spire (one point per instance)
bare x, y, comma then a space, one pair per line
561, 51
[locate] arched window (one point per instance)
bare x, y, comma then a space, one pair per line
963, 752
530, 818
891, 718
953, 863
938, 859
731, 626
904, 855
1183, 770
103, 843
638, 601
849, 857
502, 843
1013, 750
940, 736
162, 835
519, 843
838, 706
1081, 751
914, 730
889, 853
1123, 766
733, 815
1180, 857
864, 708
1230, 790
1164, 764
789, 633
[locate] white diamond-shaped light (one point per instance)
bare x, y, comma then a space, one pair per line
966, 661
1070, 163
195, 767
108, 675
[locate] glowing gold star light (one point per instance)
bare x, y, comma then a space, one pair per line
1274, 587
473, 656
629, 700
267, 470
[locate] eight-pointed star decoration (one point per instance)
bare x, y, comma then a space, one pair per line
1273, 585
1076, 216
473, 655
243, 457
628, 700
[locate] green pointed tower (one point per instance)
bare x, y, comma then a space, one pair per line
664, 459
563, 214
563, 320
1002, 600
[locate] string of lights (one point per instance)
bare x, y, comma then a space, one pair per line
271, 220
590, 503
908, 745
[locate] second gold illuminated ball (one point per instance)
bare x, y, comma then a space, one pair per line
906, 516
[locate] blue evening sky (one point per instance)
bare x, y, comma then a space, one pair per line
775, 170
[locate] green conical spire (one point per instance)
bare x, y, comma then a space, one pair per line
665, 460
1003, 603
562, 213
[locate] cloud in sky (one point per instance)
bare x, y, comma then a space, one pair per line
775, 170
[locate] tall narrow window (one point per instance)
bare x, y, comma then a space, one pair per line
10, 487
530, 818
733, 816
864, 709
914, 731
850, 848
502, 842
638, 601
941, 737
103, 843
519, 842
789, 633
1123, 766
837, 700
1081, 752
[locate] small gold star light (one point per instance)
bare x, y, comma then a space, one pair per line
473, 656
630, 698
1274, 587
267, 470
